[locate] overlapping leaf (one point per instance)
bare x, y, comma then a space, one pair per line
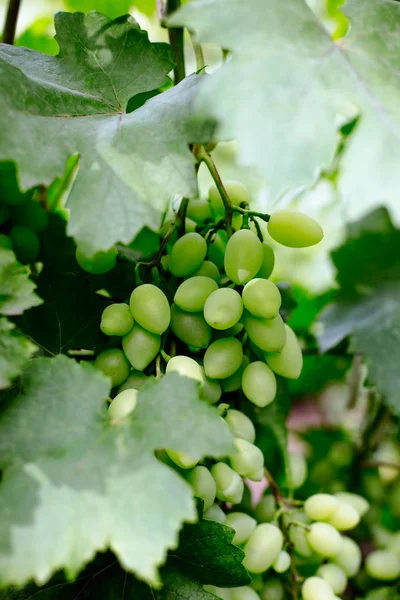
75, 483
287, 81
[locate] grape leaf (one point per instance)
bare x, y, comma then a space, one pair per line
132, 164
367, 305
16, 289
71, 474
295, 81
15, 352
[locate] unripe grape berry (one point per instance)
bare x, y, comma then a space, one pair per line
135, 381
113, 363
344, 517
240, 425
237, 194
116, 319
294, 229
141, 347
150, 308
360, 504
215, 513
289, 361
243, 524
262, 547
217, 247
243, 256
181, 459
198, 210
333, 575
298, 535
244, 593
223, 308
192, 294
123, 404
248, 461
268, 334
268, 262
282, 562
99, 263
234, 381
262, 298
324, 539
190, 328
320, 507
211, 390
298, 469
184, 365
383, 565
222, 358
349, 557
259, 383
207, 269
316, 588
187, 254
273, 589
265, 509
230, 485
203, 485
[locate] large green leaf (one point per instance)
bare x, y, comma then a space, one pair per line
75, 483
287, 81
132, 164
15, 352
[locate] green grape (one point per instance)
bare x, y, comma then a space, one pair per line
393, 543
123, 404
150, 308
298, 469
265, 509
192, 294
349, 558
203, 485
4, 214
316, 588
234, 382
141, 347
237, 221
262, 547
207, 269
199, 210
324, 539
190, 328
383, 565
259, 383
211, 390
165, 260
298, 535
190, 225
380, 593
320, 507
100, 263
237, 194
294, 229
243, 256
243, 525
289, 361
230, 485
187, 254
273, 590
116, 319
222, 358
184, 365
248, 461
135, 381
223, 308
215, 513
282, 562
5, 241
388, 451
30, 214
244, 593
268, 262
262, 298
240, 425
181, 459
360, 504
333, 575
344, 517
25, 243
113, 363
217, 247
268, 334
224, 594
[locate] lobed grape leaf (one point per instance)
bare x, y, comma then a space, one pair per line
367, 306
16, 289
15, 352
132, 164
75, 483
287, 82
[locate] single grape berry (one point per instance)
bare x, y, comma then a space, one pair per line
259, 383
349, 557
344, 517
268, 262
181, 459
282, 562
141, 347
199, 210
203, 485
150, 308
383, 565
268, 334
324, 539
265, 509
211, 390
240, 425
237, 194
223, 308
333, 575
187, 254
135, 381
184, 365
216, 248
190, 328
116, 319
123, 404
243, 524
222, 358
113, 363
99, 263
262, 298
316, 588
192, 294
298, 469
229, 484
320, 507
243, 256
294, 229
248, 460
215, 513
262, 548
244, 593
289, 361
360, 504
207, 269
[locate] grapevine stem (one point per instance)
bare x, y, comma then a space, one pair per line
380, 463
10, 25
198, 52
274, 486
175, 35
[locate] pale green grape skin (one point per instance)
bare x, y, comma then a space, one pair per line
207, 269
123, 404
268, 334
187, 254
360, 504
215, 513
294, 229
248, 461
223, 308
289, 361
262, 298
316, 588
333, 575
5, 241
186, 366
240, 425
150, 308
216, 249
298, 469
199, 210
273, 590
135, 381
25, 243
349, 558
262, 548
344, 517
223, 593
190, 225
190, 328
320, 507
298, 535
192, 294
101, 262
236, 191
268, 262
234, 382
393, 543
243, 256
141, 347
381, 593
383, 565
211, 390
181, 459
259, 383
324, 539
282, 562
116, 319
265, 509
230, 485
203, 485
243, 524
244, 593
222, 358
113, 363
